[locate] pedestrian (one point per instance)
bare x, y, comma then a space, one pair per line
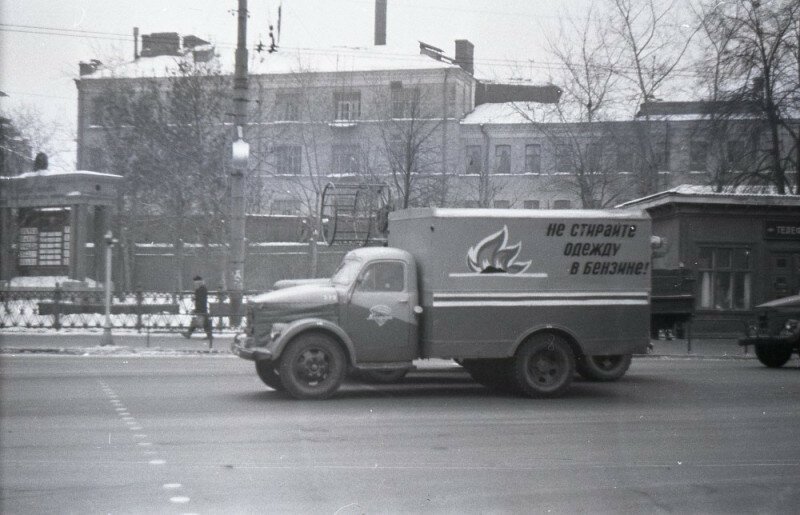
201, 318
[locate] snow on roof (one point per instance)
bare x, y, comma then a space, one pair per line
285, 61
512, 113
51, 173
708, 194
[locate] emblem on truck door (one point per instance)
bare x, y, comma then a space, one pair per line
493, 255
380, 314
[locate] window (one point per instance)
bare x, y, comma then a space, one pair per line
287, 159
735, 153
562, 204
698, 153
287, 107
405, 101
345, 160
474, 159
347, 106
530, 204
724, 278
563, 159
382, 276
533, 158
97, 114
594, 157
94, 159
502, 204
624, 160
502, 159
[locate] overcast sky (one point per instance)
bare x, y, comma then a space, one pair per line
42, 41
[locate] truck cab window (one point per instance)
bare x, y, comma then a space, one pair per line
382, 276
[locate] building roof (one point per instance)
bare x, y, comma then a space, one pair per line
285, 61
522, 113
692, 194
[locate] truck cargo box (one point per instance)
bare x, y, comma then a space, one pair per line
490, 276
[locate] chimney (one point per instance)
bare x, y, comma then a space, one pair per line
380, 22
88, 68
160, 43
464, 55
135, 43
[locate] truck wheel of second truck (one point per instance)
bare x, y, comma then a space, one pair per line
773, 356
603, 368
269, 376
543, 366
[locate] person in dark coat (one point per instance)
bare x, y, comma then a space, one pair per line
200, 310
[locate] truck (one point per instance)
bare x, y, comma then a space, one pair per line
775, 333
521, 299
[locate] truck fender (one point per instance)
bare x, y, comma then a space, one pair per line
313, 324
563, 331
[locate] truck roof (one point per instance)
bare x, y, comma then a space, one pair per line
438, 212
380, 253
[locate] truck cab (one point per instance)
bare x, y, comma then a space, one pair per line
368, 309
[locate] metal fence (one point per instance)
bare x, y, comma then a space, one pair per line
141, 311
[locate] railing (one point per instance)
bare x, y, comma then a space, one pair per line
141, 311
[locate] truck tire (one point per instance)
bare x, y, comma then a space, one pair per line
381, 376
773, 356
603, 368
543, 366
312, 366
269, 375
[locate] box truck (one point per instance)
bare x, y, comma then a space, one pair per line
522, 299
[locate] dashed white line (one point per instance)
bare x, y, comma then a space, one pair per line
179, 499
171, 486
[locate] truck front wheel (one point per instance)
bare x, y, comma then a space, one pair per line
773, 356
603, 368
543, 366
312, 367
269, 376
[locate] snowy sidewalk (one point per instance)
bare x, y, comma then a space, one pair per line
88, 342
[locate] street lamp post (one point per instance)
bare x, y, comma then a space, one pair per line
240, 154
107, 339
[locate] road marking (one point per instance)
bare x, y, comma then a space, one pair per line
171, 486
139, 436
135, 428
179, 499
144, 444
157, 462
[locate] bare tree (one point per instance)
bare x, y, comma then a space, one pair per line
651, 56
759, 65
167, 137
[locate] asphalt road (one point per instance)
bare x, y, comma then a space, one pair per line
203, 435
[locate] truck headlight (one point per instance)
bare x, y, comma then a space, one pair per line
276, 331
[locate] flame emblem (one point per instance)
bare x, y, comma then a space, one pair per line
492, 254
380, 314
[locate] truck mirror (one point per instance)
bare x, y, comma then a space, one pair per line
418, 310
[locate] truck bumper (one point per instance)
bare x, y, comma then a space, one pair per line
245, 350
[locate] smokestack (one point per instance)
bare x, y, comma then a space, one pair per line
135, 43
380, 22
464, 55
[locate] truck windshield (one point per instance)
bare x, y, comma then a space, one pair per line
347, 272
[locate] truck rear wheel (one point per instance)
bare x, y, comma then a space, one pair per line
773, 356
543, 366
312, 367
269, 376
603, 368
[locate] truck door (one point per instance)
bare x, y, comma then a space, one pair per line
379, 317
